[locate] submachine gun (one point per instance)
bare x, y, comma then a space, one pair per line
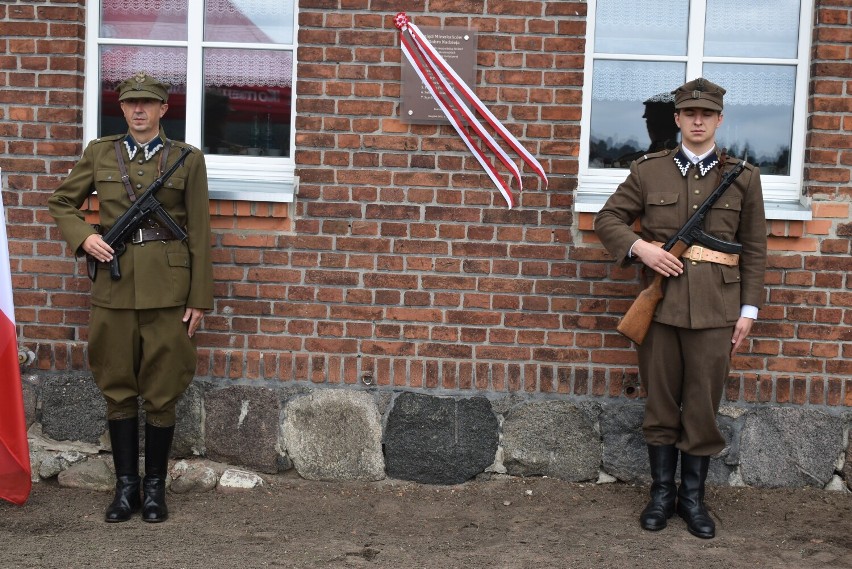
131, 221
635, 322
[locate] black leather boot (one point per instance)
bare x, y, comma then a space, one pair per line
124, 437
158, 443
690, 497
663, 461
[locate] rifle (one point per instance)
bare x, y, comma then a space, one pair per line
132, 219
636, 321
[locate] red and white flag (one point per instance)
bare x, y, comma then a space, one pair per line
450, 92
15, 482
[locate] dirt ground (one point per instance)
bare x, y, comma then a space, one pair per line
503, 523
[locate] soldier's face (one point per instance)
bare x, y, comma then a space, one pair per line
698, 127
143, 117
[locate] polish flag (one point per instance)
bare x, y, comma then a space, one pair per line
15, 483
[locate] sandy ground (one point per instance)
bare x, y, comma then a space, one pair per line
503, 523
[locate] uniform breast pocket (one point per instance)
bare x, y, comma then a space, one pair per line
172, 193
108, 184
724, 217
661, 211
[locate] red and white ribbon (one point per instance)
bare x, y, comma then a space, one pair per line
437, 75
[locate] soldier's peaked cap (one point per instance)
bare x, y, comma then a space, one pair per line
699, 93
143, 86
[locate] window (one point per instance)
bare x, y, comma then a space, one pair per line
638, 51
230, 65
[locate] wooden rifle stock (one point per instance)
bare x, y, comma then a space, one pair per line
636, 321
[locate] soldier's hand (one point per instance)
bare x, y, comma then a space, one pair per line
193, 317
658, 259
741, 332
95, 246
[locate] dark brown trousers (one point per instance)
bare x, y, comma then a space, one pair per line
684, 373
141, 353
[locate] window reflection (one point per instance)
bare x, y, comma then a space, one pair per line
152, 19
632, 110
647, 27
248, 21
758, 113
758, 28
247, 102
168, 64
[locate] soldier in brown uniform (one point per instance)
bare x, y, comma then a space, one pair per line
142, 326
711, 298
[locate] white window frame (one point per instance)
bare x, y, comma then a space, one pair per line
242, 178
783, 197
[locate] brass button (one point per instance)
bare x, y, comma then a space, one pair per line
140, 173
695, 206
141, 161
697, 192
726, 205
696, 176
694, 262
662, 201
138, 186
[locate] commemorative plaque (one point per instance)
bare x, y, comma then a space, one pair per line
458, 47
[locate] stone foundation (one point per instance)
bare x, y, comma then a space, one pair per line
370, 433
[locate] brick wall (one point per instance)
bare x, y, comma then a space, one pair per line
412, 271
399, 265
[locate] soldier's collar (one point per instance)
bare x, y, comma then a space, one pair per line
704, 165
148, 150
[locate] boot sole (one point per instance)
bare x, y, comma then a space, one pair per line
653, 528
695, 532
650, 527
119, 520
701, 535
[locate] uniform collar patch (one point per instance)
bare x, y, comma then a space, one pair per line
683, 163
148, 150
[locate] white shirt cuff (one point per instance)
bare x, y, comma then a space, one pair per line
748, 311
630, 252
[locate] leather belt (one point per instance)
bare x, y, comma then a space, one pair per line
144, 234
703, 254
700, 254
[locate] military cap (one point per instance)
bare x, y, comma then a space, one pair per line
143, 86
699, 93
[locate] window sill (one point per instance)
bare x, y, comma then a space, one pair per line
278, 191
782, 210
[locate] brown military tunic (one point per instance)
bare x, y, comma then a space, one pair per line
685, 357
159, 279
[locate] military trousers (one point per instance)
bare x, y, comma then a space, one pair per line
141, 353
684, 373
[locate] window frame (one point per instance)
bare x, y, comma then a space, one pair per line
783, 196
240, 178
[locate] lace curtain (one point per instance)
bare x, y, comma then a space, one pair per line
769, 85
222, 67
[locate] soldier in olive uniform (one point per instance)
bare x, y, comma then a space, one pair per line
142, 326
711, 298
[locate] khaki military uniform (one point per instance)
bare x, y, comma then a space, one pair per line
138, 345
685, 357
